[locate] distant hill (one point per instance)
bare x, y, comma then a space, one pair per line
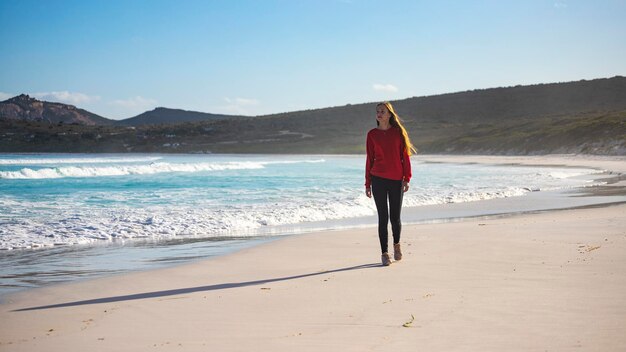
574, 117
25, 108
170, 116
482, 106
519, 102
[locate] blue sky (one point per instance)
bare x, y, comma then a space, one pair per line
120, 58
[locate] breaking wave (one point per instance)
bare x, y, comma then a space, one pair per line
147, 169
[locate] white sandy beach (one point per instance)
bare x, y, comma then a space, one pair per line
549, 281
615, 164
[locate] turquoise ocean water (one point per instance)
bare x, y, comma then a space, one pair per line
67, 216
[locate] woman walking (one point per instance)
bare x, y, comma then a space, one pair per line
387, 174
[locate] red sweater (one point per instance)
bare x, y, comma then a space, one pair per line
387, 156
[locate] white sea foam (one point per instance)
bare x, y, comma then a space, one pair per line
72, 226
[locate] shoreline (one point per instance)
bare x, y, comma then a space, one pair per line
614, 192
550, 279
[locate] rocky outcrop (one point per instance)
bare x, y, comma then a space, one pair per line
26, 108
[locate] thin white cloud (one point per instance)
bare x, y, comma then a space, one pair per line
238, 106
242, 101
4, 96
560, 4
384, 87
73, 98
137, 103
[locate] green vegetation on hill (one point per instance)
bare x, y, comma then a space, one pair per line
592, 133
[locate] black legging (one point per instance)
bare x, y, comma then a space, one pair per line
383, 188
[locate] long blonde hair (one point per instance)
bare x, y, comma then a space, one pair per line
396, 121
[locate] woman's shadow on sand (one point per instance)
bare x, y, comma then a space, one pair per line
181, 291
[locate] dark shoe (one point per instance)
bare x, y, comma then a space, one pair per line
386, 260
397, 252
